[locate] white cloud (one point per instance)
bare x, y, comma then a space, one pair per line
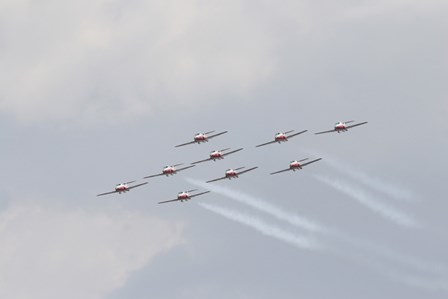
51, 253
108, 61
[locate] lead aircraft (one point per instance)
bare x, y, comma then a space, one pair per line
123, 187
342, 127
185, 195
202, 137
282, 137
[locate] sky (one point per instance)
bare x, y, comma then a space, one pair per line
99, 92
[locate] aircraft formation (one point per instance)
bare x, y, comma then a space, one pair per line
233, 173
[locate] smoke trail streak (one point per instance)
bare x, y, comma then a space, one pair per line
362, 197
377, 184
263, 227
358, 247
432, 284
262, 206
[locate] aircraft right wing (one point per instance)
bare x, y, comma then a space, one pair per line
187, 143
263, 144
284, 170
177, 199
244, 171
304, 164
154, 175
107, 193
329, 131
200, 161
217, 179
355, 125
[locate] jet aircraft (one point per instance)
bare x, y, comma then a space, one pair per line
232, 173
341, 127
296, 165
185, 195
169, 170
282, 137
202, 137
218, 155
123, 187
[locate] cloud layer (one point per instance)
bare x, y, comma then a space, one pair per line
53, 253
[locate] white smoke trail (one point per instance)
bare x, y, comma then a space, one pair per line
266, 229
262, 206
374, 183
377, 184
362, 197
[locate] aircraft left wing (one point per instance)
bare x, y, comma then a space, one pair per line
183, 168
217, 134
199, 194
231, 152
200, 161
138, 185
244, 171
355, 125
304, 164
295, 134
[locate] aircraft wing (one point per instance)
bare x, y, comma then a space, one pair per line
355, 125
200, 161
154, 175
138, 185
211, 136
304, 164
244, 171
107, 193
187, 143
199, 194
329, 131
263, 144
183, 168
295, 134
216, 179
284, 170
231, 152
171, 200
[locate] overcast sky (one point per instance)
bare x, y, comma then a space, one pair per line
94, 93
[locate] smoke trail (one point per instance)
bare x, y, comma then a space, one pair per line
375, 183
263, 227
386, 188
362, 197
262, 206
